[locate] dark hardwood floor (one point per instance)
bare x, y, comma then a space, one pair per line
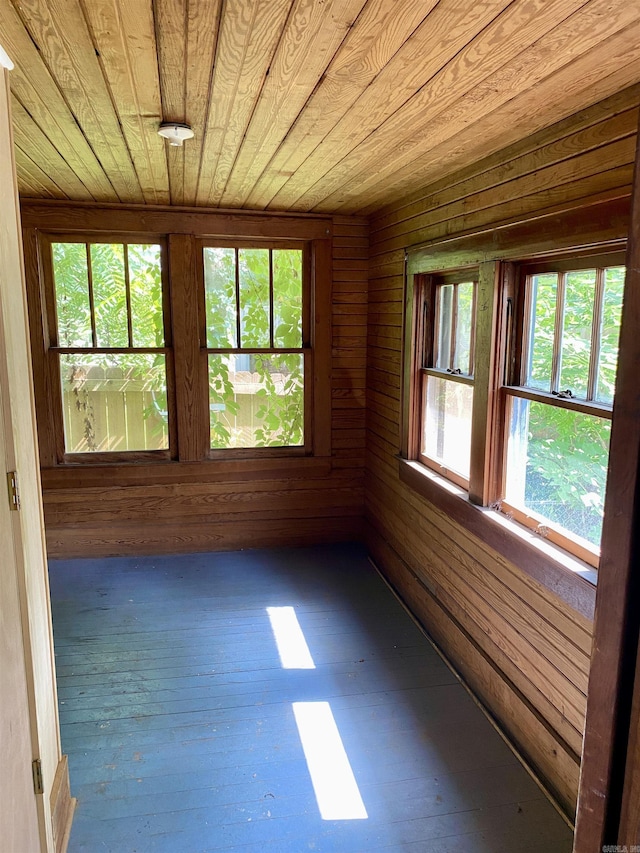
178, 715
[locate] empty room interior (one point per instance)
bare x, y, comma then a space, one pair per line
320, 416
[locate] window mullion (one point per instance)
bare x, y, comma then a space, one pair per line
453, 343
472, 338
271, 298
484, 381
92, 307
596, 335
237, 284
127, 286
556, 364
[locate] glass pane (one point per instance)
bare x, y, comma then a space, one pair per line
220, 297
557, 466
114, 402
541, 330
287, 298
145, 285
576, 331
109, 294
612, 310
256, 400
445, 320
446, 428
254, 297
464, 327
72, 294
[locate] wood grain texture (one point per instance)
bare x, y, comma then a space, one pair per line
520, 641
62, 806
29, 707
344, 105
197, 504
198, 721
608, 784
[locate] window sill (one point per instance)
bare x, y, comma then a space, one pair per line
572, 580
161, 472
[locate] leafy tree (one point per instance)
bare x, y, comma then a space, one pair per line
567, 451
274, 380
117, 371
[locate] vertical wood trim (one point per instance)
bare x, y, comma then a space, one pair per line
62, 806
39, 337
417, 343
27, 546
484, 386
617, 616
190, 409
322, 275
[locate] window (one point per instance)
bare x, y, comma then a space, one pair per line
108, 342
559, 405
182, 348
524, 427
258, 348
446, 376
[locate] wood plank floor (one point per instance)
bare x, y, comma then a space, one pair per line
177, 714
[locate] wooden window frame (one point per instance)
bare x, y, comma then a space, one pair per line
518, 344
596, 228
183, 300
499, 334
426, 357
54, 351
307, 349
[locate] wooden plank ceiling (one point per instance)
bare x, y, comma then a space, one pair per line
310, 105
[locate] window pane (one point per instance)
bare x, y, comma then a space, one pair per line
464, 327
145, 285
287, 298
445, 321
580, 288
254, 297
109, 294
446, 430
557, 466
612, 309
220, 297
256, 400
541, 330
72, 294
114, 402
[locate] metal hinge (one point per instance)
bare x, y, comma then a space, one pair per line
36, 769
14, 494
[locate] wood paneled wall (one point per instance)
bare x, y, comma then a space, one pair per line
175, 506
520, 647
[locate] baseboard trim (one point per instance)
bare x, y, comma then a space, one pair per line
62, 806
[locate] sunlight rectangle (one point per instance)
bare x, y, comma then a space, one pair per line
334, 784
292, 646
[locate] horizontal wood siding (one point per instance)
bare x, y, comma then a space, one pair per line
520, 647
181, 507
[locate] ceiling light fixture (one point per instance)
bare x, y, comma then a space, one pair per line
175, 132
5, 61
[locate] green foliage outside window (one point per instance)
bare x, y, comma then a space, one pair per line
255, 399
567, 452
111, 401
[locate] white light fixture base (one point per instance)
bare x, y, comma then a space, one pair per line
175, 132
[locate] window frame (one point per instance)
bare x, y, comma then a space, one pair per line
53, 351
515, 344
426, 356
183, 288
498, 333
307, 348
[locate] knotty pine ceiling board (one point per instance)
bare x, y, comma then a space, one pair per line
310, 105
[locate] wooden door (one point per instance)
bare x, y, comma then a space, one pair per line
18, 811
30, 821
